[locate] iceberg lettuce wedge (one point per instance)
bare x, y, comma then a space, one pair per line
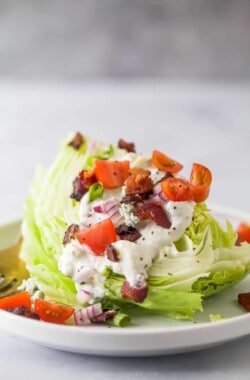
203, 262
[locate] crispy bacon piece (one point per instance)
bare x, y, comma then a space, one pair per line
137, 294
81, 184
79, 189
129, 146
138, 182
77, 141
70, 233
111, 253
135, 198
127, 232
244, 300
23, 311
88, 177
104, 316
152, 211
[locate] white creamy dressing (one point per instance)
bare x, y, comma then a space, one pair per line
135, 258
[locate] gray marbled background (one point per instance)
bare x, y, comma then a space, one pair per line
85, 39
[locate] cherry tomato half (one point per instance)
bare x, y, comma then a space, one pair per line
165, 163
243, 231
52, 312
200, 178
177, 189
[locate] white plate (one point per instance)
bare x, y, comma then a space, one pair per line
148, 336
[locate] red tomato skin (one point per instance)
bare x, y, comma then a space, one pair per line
165, 163
201, 179
111, 174
19, 299
98, 236
243, 231
52, 312
177, 189
201, 193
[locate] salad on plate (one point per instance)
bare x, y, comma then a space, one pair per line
109, 233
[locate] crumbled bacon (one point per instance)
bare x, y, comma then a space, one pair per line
111, 253
79, 189
137, 294
77, 141
136, 198
104, 316
82, 183
152, 211
129, 146
244, 300
88, 177
70, 233
126, 232
23, 311
138, 182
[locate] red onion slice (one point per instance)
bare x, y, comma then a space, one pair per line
110, 208
84, 316
157, 188
98, 209
105, 207
158, 193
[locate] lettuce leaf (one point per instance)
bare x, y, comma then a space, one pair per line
47, 213
230, 266
201, 220
159, 301
101, 153
203, 262
178, 284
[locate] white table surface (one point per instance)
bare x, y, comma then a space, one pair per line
191, 122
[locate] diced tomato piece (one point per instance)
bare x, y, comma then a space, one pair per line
19, 299
177, 189
98, 236
200, 178
52, 312
111, 174
165, 163
243, 231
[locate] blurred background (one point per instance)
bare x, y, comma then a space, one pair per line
167, 74
89, 39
